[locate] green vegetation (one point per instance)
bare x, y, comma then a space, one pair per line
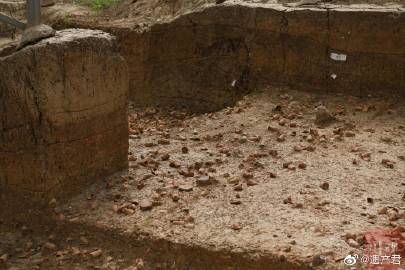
100, 4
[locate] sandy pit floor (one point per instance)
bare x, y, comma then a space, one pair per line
284, 175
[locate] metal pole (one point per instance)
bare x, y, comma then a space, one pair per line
33, 30
6, 19
33, 12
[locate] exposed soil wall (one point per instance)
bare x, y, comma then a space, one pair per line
206, 60
218, 54
63, 104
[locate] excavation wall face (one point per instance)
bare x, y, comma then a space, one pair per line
207, 60
63, 115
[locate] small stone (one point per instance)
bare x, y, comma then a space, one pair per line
297, 148
383, 211
4, 258
314, 132
287, 249
272, 175
365, 156
386, 139
236, 226
243, 139
310, 138
387, 163
302, 165
178, 222
184, 149
353, 243
323, 117
163, 141
203, 181
84, 240
282, 122
298, 205
324, 186
350, 235
175, 197
97, 253
165, 157
273, 153
235, 201
310, 148
272, 129
149, 144
393, 216
281, 138
286, 164
350, 134
115, 208
318, 260
75, 251
145, 205
238, 187
52, 203
251, 182
186, 187
50, 246
140, 185
128, 211
173, 164
291, 167
370, 200
287, 201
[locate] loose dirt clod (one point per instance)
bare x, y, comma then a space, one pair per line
323, 117
145, 205
97, 253
325, 186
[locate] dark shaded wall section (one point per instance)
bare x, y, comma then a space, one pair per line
208, 59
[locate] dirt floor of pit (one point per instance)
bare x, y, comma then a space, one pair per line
261, 178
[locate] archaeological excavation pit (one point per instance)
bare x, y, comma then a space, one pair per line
239, 135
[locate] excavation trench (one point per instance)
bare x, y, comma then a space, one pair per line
209, 59
240, 68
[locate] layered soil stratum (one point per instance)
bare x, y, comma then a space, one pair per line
240, 135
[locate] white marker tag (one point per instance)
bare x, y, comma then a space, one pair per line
338, 57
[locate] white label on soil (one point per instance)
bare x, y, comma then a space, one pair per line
338, 57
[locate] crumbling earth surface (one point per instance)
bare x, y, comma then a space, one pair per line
283, 180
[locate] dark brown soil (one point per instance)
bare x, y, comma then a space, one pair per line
262, 178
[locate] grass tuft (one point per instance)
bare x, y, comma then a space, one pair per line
97, 5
